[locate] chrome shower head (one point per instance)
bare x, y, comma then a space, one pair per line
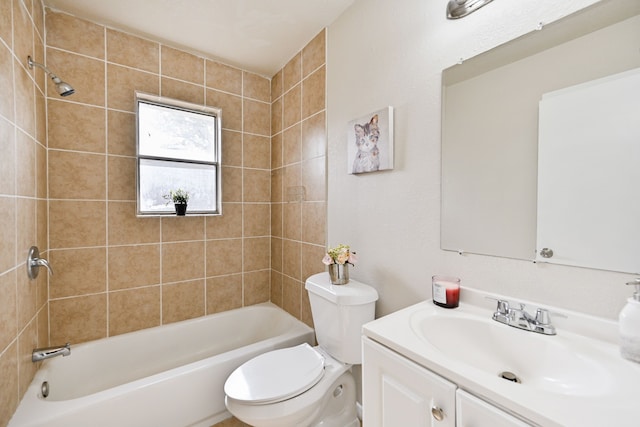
63, 88
460, 8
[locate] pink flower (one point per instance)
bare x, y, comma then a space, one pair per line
353, 259
327, 260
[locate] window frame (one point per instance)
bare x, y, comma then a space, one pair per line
174, 104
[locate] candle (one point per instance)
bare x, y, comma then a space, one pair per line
446, 291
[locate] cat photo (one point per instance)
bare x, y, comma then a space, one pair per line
370, 142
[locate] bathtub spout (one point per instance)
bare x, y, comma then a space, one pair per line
49, 352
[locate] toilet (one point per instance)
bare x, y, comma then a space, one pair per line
306, 386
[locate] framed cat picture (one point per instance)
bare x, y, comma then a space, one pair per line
370, 142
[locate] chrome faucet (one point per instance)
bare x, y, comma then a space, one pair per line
49, 352
521, 319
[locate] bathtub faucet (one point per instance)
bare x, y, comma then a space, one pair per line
49, 352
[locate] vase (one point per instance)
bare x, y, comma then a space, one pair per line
339, 274
181, 209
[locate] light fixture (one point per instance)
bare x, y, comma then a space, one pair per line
460, 8
63, 88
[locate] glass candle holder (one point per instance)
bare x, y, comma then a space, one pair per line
446, 291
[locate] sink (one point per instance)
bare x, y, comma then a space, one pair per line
548, 363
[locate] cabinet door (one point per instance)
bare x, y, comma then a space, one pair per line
474, 412
399, 393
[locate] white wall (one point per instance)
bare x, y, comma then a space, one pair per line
381, 53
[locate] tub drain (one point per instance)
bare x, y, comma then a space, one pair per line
44, 388
509, 376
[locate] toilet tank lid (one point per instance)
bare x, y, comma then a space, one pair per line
353, 293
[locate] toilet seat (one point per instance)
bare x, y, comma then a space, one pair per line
276, 375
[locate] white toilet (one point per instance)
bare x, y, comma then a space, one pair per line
306, 386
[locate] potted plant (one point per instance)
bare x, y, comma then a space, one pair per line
338, 260
179, 198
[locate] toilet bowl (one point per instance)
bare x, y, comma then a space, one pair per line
306, 386
304, 400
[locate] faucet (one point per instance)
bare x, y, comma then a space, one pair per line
521, 319
49, 352
34, 262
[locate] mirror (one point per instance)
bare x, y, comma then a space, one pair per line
490, 126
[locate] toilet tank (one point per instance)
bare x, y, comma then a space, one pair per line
339, 311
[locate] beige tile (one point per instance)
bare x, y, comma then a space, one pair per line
314, 222
277, 116
122, 178
133, 266
257, 117
314, 136
292, 73
257, 185
182, 261
231, 106
42, 224
7, 160
26, 225
27, 303
175, 229
6, 80
276, 85
121, 136
41, 118
76, 35
291, 221
127, 229
8, 232
313, 54
41, 172
224, 257
276, 151
27, 341
292, 145
314, 179
232, 148
257, 287
313, 93
22, 31
182, 65
257, 151
43, 327
305, 309
38, 18
223, 77
78, 272
25, 165
85, 74
25, 116
183, 91
6, 24
122, 83
75, 224
224, 293
132, 51
88, 126
78, 319
312, 259
256, 87
257, 253
257, 219
276, 219
227, 225
276, 288
75, 175
134, 309
291, 107
182, 301
38, 52
277, 177
291, 259
9, 397
232, 184
276, 254
8, 309
292, 178
291, 296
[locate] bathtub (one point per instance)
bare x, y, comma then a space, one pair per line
171, 375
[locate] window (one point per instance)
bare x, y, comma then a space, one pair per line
178, 147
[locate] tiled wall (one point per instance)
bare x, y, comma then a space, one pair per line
23, 192
298, 184
118, 273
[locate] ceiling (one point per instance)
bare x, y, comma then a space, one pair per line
256, 35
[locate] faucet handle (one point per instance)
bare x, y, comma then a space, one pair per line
502, 306
542, 316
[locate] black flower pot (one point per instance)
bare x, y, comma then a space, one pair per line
181, 209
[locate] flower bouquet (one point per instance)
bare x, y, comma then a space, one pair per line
338, 260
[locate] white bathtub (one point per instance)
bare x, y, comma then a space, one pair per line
171, 375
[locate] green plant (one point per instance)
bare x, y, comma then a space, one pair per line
178, 196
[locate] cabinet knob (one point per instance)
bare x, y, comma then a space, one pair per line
437, 413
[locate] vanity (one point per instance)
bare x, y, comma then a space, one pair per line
430, 366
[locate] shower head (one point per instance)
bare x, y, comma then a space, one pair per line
459, 8
63, 88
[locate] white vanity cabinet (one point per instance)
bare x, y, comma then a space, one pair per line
398, 392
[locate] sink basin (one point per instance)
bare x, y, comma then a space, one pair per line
554, 364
